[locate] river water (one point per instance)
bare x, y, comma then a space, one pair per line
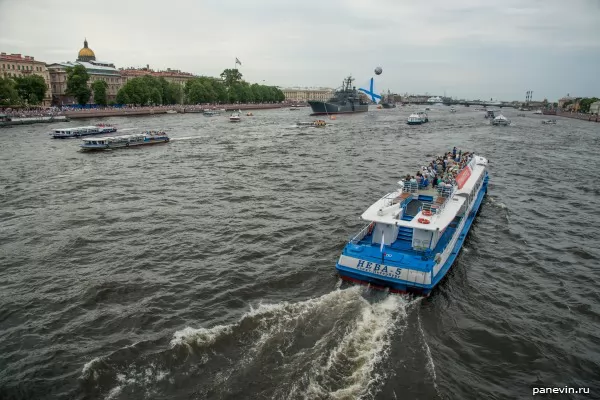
205, 268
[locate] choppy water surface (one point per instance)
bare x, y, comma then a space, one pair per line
205, 268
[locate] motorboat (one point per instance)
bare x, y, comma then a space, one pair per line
414, 234
500, 120
116, 142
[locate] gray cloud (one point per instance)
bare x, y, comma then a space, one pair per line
464, 47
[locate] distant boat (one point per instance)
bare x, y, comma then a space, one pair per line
388, 101
423, 116
319, 123
109, 143
414, 119
453, 110
171, 112
538, 111
68, 133
490, 114
235, 117
501, 120
211, 113
549, 122
549, 112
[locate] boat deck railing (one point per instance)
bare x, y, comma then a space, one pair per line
361, 235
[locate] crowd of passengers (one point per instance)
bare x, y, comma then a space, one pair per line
441, 171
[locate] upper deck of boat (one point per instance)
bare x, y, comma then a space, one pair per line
432, 208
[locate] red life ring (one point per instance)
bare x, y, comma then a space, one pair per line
423, 221
427, 212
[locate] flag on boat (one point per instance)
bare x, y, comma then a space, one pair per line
237, 61
382, 242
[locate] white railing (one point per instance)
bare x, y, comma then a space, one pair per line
363, 232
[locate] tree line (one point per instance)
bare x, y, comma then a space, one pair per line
149, 90
26, 90
584, 103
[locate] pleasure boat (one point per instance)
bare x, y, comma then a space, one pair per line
211, 113
414, 119
538, 111
423, 116
67, 133
500, 120
415, 233
549, 122
490, 114
452, 110
319, 123
235, 117
109, 143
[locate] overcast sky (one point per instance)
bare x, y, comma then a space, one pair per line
465, 48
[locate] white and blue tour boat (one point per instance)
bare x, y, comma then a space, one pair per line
116, 142
414, 119
67, 133
415, 233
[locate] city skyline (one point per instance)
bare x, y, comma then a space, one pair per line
464, 49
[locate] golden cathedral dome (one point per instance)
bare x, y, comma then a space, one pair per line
86, 54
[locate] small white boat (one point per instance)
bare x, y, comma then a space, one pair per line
453, 110
67, 133
549, 122
414, 119
501, 120
538, 111
109, 143
235, 117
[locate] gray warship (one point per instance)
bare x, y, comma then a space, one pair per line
344, 100
388, 101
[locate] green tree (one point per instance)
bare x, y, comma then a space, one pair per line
584, 104
99, 89
8, 92
77, 78
155, 96
31, 88
197, 93
231, 76
123, 97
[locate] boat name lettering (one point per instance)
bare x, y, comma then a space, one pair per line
376, 268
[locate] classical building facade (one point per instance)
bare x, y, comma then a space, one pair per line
16, 65
302, 95
170, 75
98, 70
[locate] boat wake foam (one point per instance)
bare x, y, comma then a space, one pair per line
329, 347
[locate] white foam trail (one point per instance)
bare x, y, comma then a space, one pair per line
184, 138
126, 129
351, 364
430, 363
114, 392
87, 368
201, 336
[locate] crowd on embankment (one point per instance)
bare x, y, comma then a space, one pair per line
75, 111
